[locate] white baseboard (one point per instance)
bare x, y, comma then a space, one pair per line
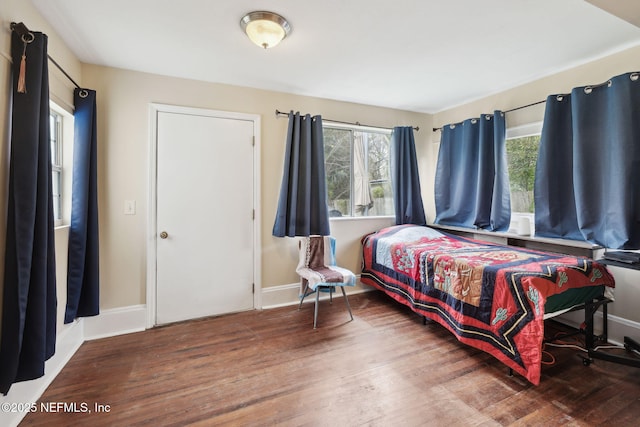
109, 323
26, 393
617, 327
117, 321
126, 320
286, 295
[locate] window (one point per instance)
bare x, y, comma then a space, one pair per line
55, 136
357, 171
522, 154
61, 141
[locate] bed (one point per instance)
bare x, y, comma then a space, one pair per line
492, 297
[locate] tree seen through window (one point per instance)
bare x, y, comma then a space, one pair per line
357, 172
522, 154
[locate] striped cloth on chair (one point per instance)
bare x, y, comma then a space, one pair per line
317, 264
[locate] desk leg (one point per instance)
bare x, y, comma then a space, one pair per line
629, 344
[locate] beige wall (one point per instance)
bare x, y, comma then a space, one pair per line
61, 91
591, 73
627, 292
123, 135
124, 142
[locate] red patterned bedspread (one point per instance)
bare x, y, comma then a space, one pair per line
490, 296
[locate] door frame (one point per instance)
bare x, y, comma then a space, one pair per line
151, 270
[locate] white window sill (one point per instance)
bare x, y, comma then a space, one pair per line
61, 227
351, 218
533, 242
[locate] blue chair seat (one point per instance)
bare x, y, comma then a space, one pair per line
319, 273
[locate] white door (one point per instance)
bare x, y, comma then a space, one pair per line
204, 216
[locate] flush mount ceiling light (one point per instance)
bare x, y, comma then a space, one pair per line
266, 29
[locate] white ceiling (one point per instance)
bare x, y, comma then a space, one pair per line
420, 55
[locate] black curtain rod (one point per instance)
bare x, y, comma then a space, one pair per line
63, 71
23, 31
587, 89
508, 111
282, 113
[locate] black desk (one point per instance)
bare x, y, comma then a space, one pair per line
619, 264
589, 310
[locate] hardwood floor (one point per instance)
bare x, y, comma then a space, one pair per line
270, 367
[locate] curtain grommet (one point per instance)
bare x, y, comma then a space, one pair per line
27, 38
634, 76
83, 93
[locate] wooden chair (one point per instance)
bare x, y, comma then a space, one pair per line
319, 273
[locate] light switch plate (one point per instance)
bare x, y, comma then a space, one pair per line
129, 207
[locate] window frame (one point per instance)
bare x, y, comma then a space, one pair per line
64, 155
523, 131
56, 140
364, 129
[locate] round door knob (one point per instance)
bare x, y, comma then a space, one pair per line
164, 235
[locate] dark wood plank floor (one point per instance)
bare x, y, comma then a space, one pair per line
270, 367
